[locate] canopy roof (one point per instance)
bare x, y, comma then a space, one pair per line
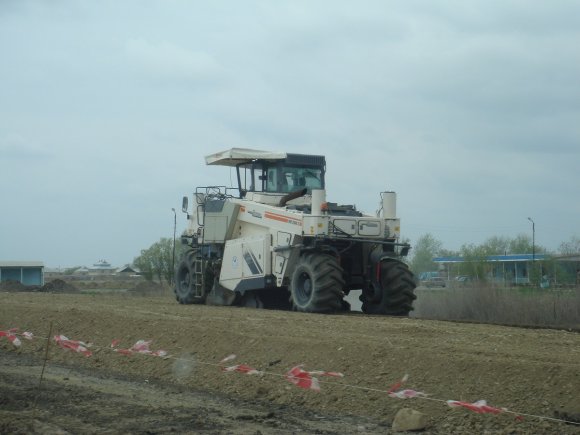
491, 258
235, 156
21, 264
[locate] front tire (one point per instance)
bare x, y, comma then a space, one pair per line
394, 294
186, 290
316, 284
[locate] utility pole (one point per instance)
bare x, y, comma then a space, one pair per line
533, 244
173, 256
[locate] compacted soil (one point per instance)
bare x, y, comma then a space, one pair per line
533, 373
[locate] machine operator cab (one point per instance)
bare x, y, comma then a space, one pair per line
283, 177
268, 177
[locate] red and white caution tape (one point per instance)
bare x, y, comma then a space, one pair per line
114, 345
398, 384
331, 374
481, 406
74, 345
11, 336
404, 394
141, 346
242, 368
304, 379
228, 358
297, 375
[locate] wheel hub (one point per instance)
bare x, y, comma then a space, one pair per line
185, 280
305, 286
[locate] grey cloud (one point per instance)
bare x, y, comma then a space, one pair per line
171, 61
456, 105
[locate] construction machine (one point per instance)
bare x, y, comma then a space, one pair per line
275, 241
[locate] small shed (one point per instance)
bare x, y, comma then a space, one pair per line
127, 271
25, 272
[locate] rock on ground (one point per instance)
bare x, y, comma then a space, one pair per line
407, 419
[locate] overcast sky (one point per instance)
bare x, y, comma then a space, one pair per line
469, 110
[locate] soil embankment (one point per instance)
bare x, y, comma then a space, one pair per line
524, 370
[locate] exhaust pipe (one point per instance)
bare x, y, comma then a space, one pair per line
389, 205
318, 199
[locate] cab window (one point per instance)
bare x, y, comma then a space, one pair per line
285, 179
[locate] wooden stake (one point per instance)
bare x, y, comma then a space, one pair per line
45, 356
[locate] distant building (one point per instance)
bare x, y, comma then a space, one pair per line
569, 268
81, 271
102, 267
513, 269
25, 272
127, 271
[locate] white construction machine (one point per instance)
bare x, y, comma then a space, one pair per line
274, 241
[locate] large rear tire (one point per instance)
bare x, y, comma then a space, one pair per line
394, 294
316, 284
186, 291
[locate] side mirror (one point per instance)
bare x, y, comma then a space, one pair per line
184, 204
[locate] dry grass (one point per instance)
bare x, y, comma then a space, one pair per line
529, 307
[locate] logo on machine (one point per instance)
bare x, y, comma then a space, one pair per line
235, 262
255, 214
283, 218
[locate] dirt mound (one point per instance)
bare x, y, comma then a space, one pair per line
55, 286
59, 286
13, 286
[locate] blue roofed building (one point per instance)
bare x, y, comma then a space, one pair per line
510, 269
25, 272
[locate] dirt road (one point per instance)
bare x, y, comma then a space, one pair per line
527, 371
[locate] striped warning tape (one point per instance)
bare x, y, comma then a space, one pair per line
296, 375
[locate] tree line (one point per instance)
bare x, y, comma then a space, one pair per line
427, 247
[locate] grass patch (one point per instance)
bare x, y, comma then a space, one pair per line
103, 290
523, 307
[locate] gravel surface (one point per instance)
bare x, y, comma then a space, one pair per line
527, 371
